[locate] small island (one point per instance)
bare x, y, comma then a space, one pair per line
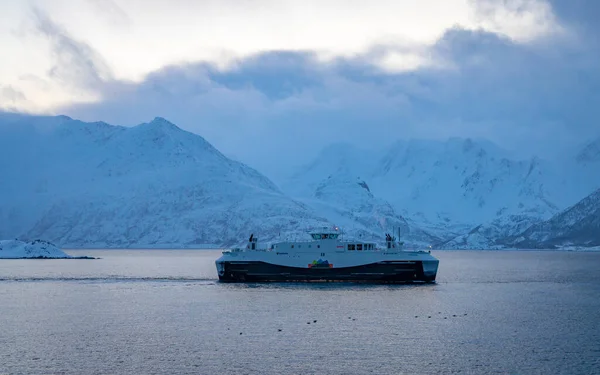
37, 249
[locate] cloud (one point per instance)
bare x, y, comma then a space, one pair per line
519, 72
49, 66
526, 97
75, 63
112, 12
10, 98
138, 39
521, 20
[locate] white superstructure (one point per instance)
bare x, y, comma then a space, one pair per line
324, 256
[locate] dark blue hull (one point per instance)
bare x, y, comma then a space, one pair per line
390, 272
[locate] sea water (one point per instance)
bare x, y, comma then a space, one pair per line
165, 312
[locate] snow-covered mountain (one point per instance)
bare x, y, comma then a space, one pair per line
338, 159
348, 200
578, 226
463, 181
93, 184
466, 193
491, 235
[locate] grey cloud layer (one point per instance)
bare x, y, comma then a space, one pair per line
538, 97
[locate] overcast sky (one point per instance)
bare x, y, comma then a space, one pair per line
259, 78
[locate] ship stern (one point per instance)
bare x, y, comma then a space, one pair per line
430, 268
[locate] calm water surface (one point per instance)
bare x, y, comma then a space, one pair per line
164, 312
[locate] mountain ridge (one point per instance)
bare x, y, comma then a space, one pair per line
95, 184
150, 184
457, 190
577, 225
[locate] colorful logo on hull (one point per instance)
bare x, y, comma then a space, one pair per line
320, 264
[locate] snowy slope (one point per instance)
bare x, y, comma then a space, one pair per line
338, 159
467, 193
348, 201
572, 179
93, 184
491, 235
15, 249
463, 181
578, 225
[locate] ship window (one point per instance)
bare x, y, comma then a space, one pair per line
299, 246
319, 246
359, 246
309, 246
292, 246
316, 236
351, 247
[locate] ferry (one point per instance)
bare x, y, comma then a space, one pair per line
326, 257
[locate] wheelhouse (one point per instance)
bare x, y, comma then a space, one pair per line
324, 236
361, 246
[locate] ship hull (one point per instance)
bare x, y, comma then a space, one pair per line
384, 271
